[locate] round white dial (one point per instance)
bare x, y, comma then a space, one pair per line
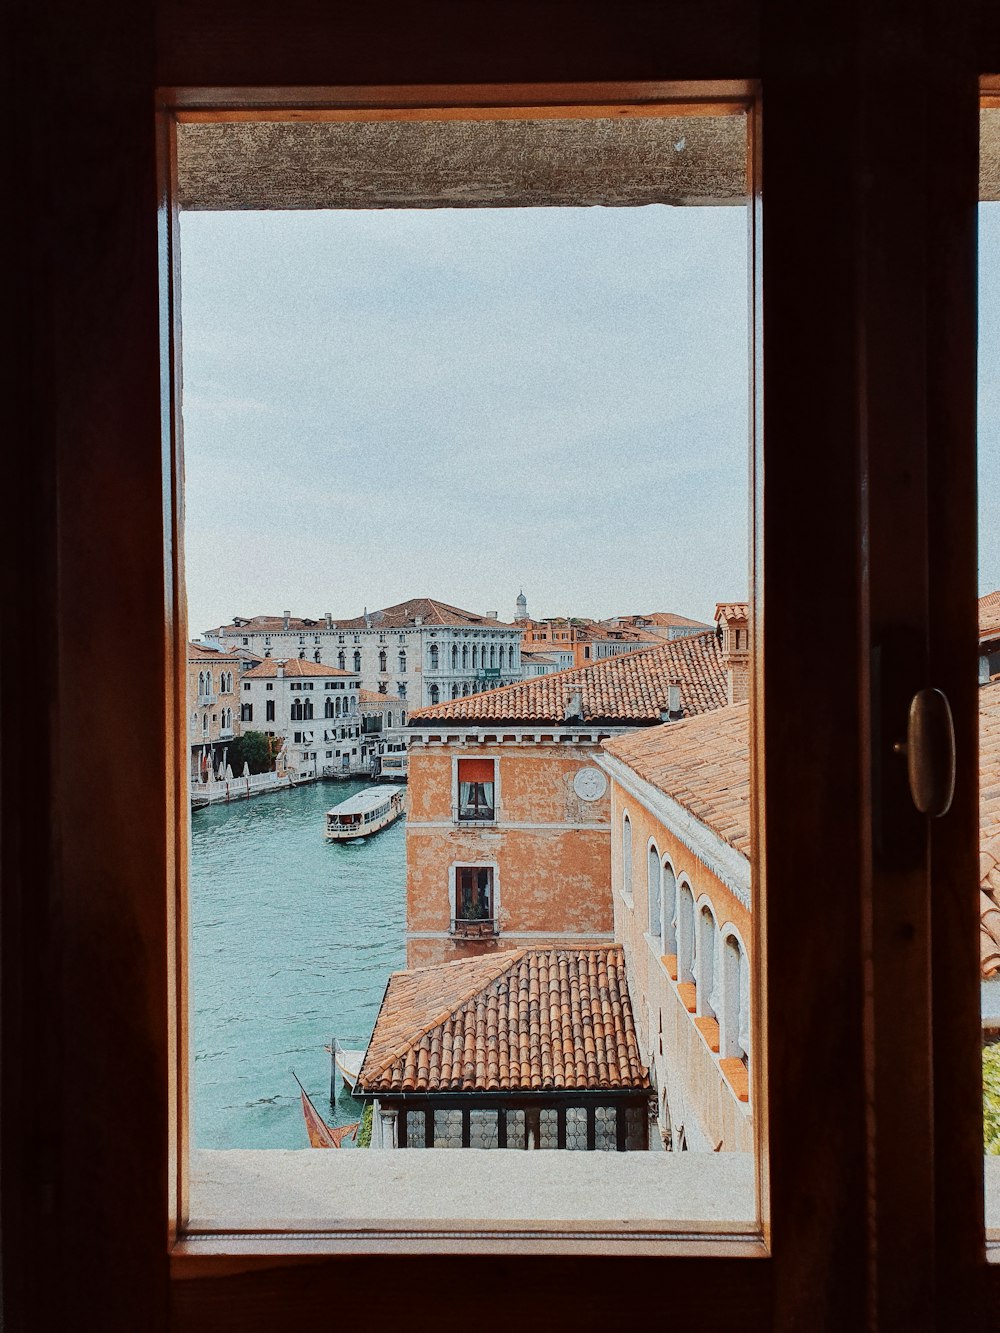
590, 784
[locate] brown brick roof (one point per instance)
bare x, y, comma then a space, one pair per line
632, 687
373, 697
257, 624
703, 764
665, 618
294, 667
520, 1020
732, 611
199, 652
403, 616
989, 615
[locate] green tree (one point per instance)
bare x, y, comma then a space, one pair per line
252, 748
991, 1098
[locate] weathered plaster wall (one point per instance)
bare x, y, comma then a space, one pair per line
550, 848
684, 1067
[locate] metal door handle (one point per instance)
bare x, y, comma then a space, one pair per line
930, 752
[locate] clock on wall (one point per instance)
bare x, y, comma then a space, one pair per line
590, 784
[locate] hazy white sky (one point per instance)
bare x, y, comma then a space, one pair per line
461, 403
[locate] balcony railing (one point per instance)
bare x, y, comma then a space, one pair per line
465, 928
205, 699
226, 733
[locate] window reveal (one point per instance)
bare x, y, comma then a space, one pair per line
476, 787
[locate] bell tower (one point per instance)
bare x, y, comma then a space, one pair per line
522, 607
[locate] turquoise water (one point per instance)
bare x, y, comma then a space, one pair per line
293, 940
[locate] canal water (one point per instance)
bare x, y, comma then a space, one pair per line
292, 943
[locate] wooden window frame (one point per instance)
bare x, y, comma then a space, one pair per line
856, 311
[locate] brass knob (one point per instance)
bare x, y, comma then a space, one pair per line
930, 752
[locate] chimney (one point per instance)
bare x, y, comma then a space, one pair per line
418, 620
733, 626
328, 617
286, 615
280, 671
673, 711
492, 615
573, 711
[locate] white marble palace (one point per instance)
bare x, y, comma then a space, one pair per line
422, 651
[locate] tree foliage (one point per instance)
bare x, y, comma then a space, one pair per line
991, 1099
252, 748
365, 1131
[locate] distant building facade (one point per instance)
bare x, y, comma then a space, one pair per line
423, 651
535, 663
383, 726
311, 707
212, 708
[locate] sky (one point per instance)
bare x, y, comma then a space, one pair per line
464, 403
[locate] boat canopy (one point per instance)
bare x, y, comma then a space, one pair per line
372, 798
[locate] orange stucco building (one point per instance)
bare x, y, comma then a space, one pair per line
680, 869
509, 827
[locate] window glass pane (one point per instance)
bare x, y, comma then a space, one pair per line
493, 374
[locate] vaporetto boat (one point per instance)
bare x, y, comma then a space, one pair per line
365, 813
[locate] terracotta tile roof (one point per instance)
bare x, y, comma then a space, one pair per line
989, 615
632, 687
294, 667
403, 616
732, 611
666, 619
252, 624
200, 652
703, 764
373, 697
520, 1020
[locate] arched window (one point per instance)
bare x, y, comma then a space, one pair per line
501, 656
626, 856
685, 934
402, 661
357, 659
388, 717
382, 660
296, 712
336, 707
341, 660
316, 655
435, 694
246, 712
433, 657
653, 890
475, 655
493, 654
454, 691
204, 724
328, 708
465, 656
454, 657
704, 963
307, 709
734, 1020
668, 894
